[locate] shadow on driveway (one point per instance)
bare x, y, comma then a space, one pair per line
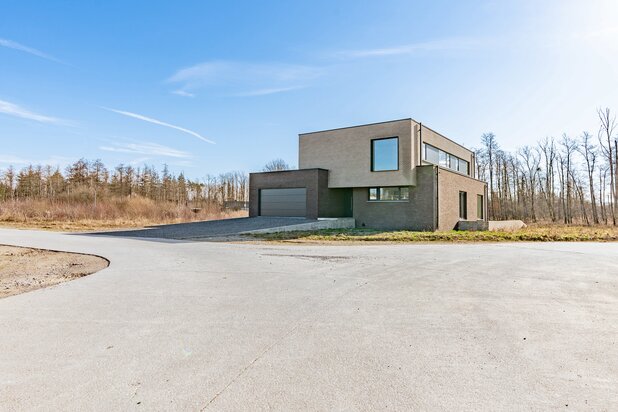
206, 229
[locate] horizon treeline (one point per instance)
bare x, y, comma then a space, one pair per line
89, 181
571, 179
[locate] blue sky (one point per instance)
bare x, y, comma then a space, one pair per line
209, 87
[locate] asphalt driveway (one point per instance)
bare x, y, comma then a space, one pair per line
209, 228
219, 326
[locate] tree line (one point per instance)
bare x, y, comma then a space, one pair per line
91, 181
571, 179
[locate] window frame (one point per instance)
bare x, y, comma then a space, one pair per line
378, 190
446, 160
372, 159
480, 207
463, 207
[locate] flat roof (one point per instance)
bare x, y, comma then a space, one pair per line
359, 125
388, 121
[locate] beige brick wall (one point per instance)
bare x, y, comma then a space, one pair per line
449, 146
449, 186
346, 153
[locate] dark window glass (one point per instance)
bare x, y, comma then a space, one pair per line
389, 194
463, 205
385, 154
480, 207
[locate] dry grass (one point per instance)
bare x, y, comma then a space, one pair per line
540, 233
108, 214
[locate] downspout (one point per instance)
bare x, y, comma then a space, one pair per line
437, 199
420, 143
485, 200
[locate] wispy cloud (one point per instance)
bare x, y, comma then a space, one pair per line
456, 43
160, 123
14, 110
183, 93
17, 46
263, 92
139, 161
243, 79
54, 161
14, 160
146, 148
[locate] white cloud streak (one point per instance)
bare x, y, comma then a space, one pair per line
14, 110
160, 123
14, 160
17, 46
243, 79
263, 92
183, 93
429, 46
148, 149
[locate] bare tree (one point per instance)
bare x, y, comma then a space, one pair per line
548, 149
607, 141
588, 151
569, 146
491, 147
276, 165
531, 160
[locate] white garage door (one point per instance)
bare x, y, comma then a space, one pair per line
283, 202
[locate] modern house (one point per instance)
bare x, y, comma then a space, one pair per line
391, 175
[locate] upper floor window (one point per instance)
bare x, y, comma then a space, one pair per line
436, 156
385, 154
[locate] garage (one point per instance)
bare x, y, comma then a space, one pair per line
283, 202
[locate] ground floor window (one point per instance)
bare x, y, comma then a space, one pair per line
389, 194
480, 207
463, 205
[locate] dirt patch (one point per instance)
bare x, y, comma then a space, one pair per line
26, 269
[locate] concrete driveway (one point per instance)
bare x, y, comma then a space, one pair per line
216, 326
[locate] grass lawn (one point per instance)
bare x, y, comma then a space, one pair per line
541, 233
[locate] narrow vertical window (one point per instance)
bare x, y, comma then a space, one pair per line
463, 205
480, 207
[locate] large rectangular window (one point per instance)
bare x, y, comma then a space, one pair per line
480, 207
389, 194
436, 156
463, 205
385, 154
